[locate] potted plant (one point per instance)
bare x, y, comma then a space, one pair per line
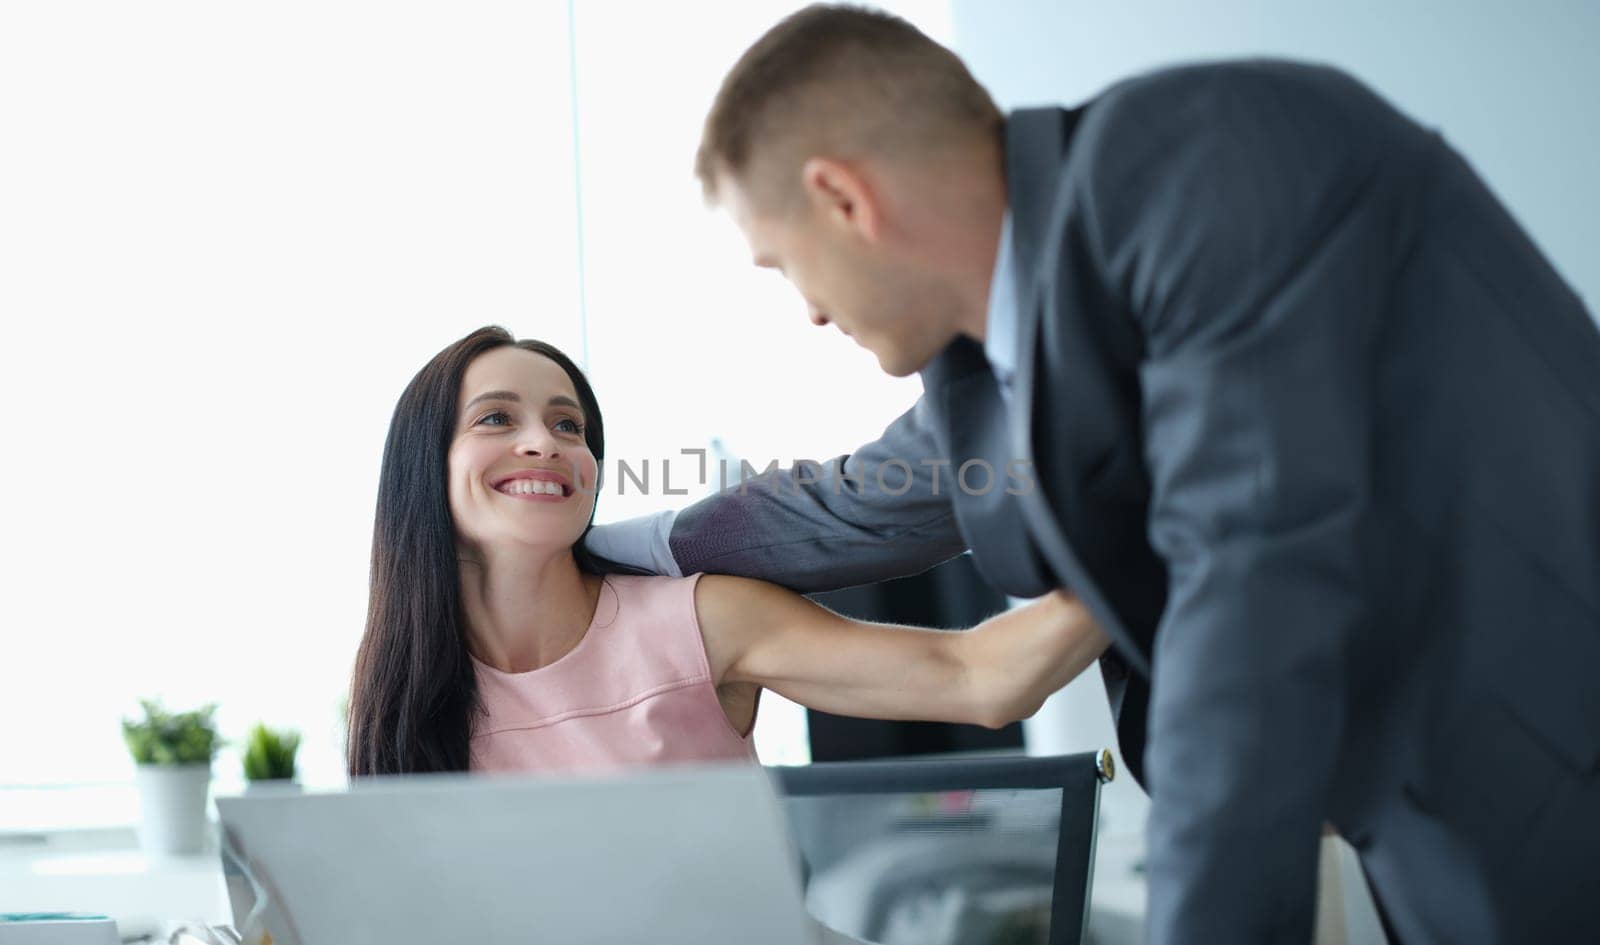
269, 755
173, 752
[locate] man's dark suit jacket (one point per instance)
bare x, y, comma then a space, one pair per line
1315, 432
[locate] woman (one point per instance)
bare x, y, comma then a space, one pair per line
493, 643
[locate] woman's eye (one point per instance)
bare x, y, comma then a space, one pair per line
568, 425
498, 418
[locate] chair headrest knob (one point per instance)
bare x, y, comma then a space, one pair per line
1106, 765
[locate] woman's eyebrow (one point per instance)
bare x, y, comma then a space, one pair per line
493, 395
559, 400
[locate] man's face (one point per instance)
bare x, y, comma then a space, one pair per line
848, 279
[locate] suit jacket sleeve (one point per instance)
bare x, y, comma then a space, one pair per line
1245, 216
879, 513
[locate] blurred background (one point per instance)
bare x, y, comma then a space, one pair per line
229, 234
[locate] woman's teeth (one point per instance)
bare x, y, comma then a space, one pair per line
532, 487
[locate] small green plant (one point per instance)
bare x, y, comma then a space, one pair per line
269, 754
172, 738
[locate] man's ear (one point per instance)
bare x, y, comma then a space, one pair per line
841, 195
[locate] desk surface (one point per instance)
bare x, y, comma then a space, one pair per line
103, 871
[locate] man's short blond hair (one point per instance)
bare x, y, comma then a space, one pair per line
844, 81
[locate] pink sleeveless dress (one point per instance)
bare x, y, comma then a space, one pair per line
636, 690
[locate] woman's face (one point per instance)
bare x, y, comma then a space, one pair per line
520, 470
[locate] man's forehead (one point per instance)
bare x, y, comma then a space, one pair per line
751, 227
735, 201
767, 231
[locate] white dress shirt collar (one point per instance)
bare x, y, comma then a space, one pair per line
1000, 332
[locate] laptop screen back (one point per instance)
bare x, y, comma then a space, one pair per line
671, 857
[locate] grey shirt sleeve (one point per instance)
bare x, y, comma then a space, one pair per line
883, 511
637, 543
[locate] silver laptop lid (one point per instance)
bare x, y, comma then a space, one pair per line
669, 856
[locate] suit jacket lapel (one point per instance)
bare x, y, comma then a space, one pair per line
1033, 155
1036, 141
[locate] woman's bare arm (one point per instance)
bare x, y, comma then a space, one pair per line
994, 674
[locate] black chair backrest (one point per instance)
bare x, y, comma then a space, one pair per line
980, 851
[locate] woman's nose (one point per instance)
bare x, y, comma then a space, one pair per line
538, 443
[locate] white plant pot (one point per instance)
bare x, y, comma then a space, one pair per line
172, 808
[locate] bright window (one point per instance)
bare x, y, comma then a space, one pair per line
229, 235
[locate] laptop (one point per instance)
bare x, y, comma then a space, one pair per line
676, 856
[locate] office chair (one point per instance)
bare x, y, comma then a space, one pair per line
976, 851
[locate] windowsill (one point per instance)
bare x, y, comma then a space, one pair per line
31, 812
30, 815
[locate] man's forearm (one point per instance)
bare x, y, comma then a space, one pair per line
881, 512
810, 537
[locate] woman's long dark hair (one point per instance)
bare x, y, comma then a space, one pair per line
414, 694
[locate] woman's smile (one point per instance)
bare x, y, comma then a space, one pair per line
535, 485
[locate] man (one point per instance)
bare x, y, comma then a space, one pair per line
1290, 402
